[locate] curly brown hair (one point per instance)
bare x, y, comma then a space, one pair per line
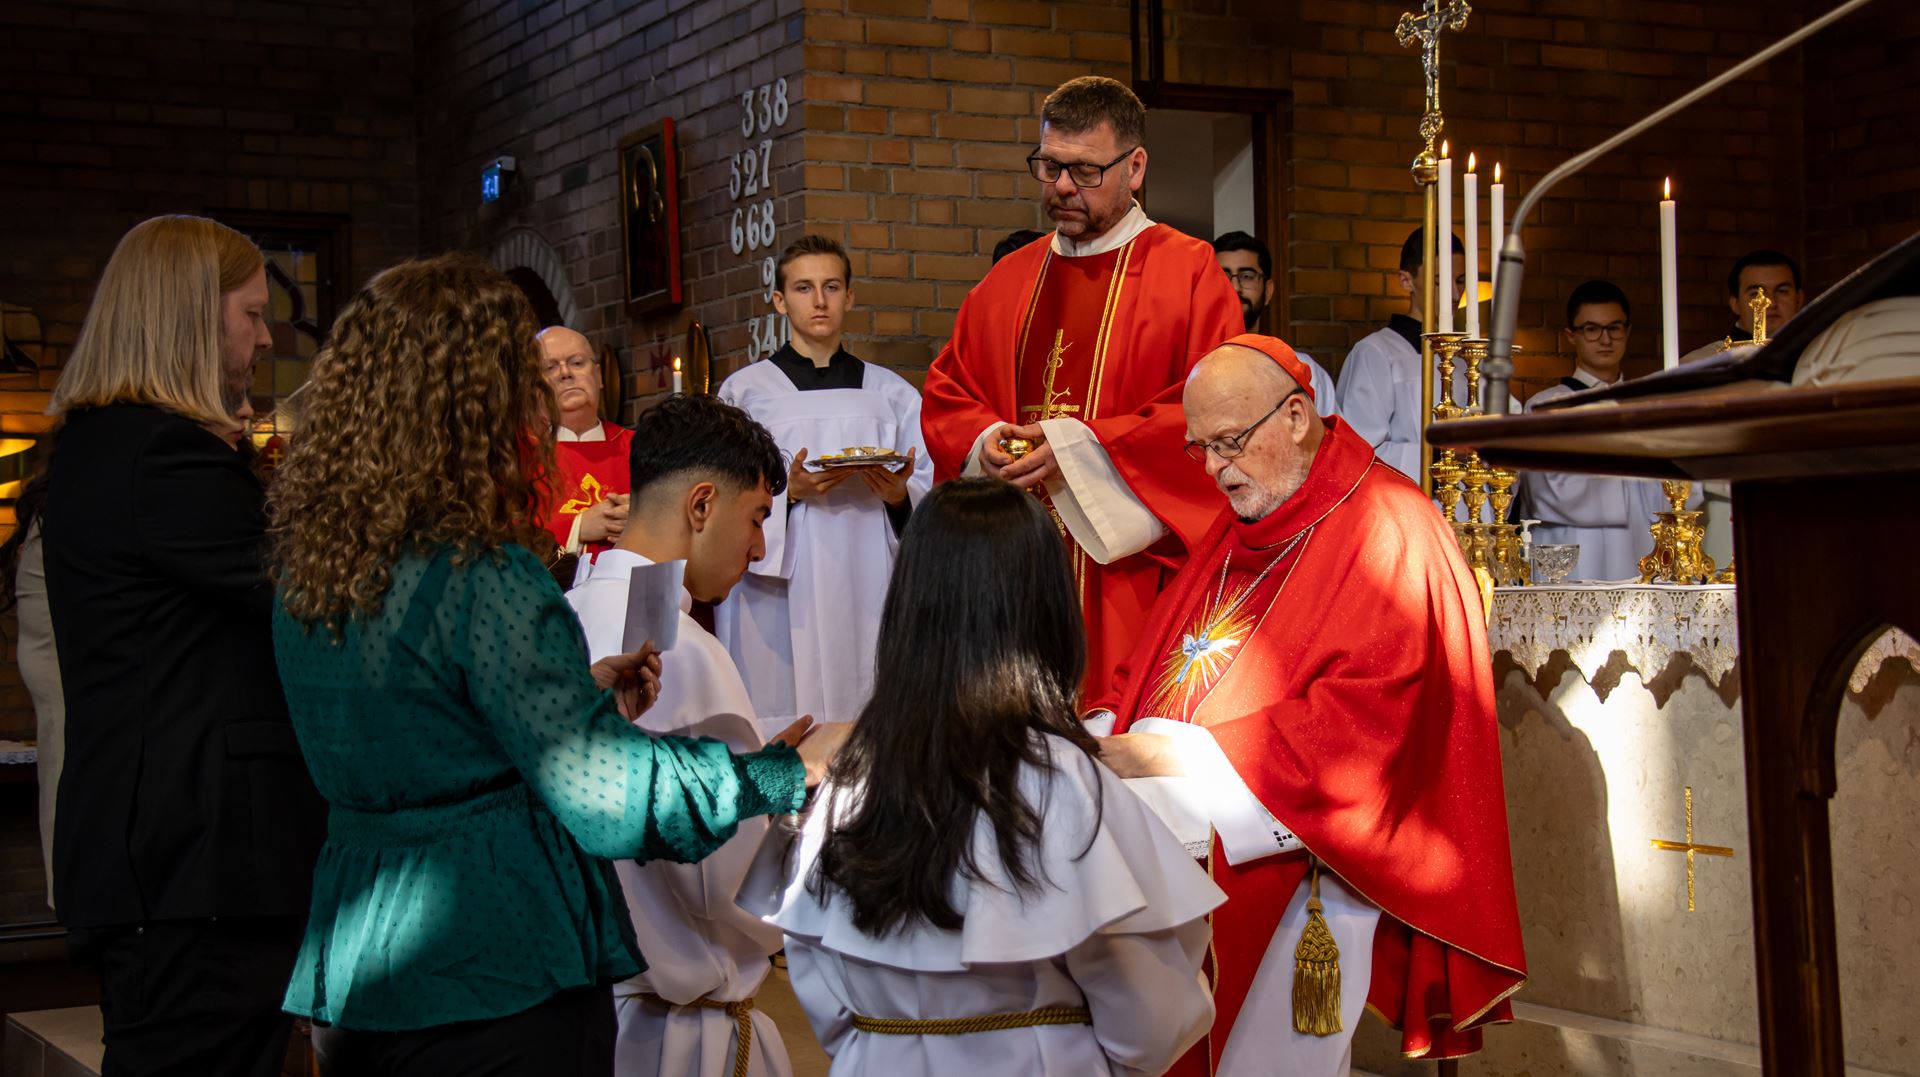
426, 426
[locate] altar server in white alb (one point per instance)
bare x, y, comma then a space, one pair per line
973, 892
802, 624
1606, 516
1380, 383
704, 476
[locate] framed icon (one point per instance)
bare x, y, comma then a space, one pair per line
650, 217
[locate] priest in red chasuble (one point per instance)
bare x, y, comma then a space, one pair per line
590, 500
1315, 689
1077, 344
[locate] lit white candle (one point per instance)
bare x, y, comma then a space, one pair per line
1669, 281
676, 374
1498, 193
1443, 242
1473, 249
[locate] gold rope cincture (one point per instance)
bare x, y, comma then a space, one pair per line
1316, 970
741, 1012
961, 1026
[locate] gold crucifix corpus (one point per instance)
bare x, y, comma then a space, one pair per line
1050, 406
1688, 847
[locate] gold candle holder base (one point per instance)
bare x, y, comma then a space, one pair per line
1677, 556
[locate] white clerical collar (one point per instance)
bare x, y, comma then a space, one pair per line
1131, 225
1591, 380
619, 564
597, 433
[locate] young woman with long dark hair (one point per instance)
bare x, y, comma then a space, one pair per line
974, 892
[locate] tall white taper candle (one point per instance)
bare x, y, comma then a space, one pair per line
1669, 282
1443, 293
1473, 249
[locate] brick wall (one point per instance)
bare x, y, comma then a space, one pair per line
558, 84
1526, 83
115, 112
1863, 164
920, 114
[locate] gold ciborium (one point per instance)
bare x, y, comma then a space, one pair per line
1677, 556
1016, 447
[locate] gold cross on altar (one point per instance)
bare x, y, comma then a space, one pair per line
1425, 28
1688, 847
1050, 406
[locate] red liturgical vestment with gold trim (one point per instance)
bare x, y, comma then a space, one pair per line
588, 472
1105, 339
1337, 652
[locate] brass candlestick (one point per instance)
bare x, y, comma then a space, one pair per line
1478, 475
1447, 472
1446, 350
1500, 484
1474, 351
1677, 556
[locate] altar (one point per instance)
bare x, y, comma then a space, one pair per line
1620, 724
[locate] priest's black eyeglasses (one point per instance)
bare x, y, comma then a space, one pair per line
1229, 448
1047, 170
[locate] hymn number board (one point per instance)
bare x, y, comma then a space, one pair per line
752, 232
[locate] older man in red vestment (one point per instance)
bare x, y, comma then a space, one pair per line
1316, 683
1078, 344
590, 500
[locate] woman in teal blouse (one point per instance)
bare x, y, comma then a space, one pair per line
464, 919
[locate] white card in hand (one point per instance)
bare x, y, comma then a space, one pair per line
653, 606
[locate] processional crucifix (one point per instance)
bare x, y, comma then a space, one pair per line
1424, 29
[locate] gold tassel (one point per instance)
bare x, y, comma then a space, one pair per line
1316, 971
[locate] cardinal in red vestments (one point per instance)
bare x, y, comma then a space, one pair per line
1318, 678
589, 505
1077, 345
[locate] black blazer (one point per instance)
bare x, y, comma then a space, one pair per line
183, 794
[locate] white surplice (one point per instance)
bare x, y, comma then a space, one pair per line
1118, 927
1326, 397
802, 625
1607, 516
695, 939
1380, 397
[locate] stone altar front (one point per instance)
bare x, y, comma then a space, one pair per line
1613, 701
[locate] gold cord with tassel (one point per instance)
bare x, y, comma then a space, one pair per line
1316, 970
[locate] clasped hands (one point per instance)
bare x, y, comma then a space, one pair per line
634, 680
889, 485
604, 520
1031, 470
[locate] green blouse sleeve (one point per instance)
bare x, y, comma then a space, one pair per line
620, 792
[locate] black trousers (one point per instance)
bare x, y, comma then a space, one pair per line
569, 1035
193, 998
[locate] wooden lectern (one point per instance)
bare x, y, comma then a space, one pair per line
1826, 507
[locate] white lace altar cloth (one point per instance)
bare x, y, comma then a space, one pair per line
1648, 624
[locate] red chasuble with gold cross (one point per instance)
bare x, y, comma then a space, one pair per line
1338, 654
589, 471
1106, 339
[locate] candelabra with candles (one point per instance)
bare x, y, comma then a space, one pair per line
1491, 544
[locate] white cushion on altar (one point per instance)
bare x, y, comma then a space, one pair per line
1873, 342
